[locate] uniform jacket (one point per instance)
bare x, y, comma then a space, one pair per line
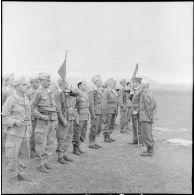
136, 101
17, 108
65, 106
82, 105
148, 107
6, 92
30, 93
110, 101
43, 103
95, 101
124, 98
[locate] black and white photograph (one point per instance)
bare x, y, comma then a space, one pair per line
97, 97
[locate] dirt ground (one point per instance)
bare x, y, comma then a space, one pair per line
115, 168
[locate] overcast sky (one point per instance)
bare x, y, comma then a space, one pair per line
102, 38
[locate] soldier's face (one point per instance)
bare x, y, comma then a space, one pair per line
99, 83
111, 84
123, 84
135, 84
46, 83
84, 86
35, 84
63, 85
22, 87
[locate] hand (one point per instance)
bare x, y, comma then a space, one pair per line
123, 107
77, 120
66, 124
131, 93
19, 122
93, 117
45, 117
134, 112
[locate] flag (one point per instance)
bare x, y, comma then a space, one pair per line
62, 69
135, 71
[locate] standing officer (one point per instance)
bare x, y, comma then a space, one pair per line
95, 108
136, 110
17, 117
123, 98
148, 110
82, 105
67, 117
44, 109
109, 109
35, 83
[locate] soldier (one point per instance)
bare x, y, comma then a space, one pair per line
109, 109
17, 117
67, 117
95, 108
82, 105
123, 98
35, 83
148, 110
136, 109
44, 109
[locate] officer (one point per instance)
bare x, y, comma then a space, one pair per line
44, 109
34, 83
67, 117
123, 98
95, 108
82, 106
148, 111
136, 109
109, 109
17, 117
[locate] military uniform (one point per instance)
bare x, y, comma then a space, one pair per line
95, 108
16, 108
110, 109
30, 94
148, 109
43, 105
79, 131
64, 133
125, 108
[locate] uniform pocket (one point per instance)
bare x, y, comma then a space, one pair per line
41, 125
9, 149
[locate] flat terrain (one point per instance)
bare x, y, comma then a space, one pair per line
118, 166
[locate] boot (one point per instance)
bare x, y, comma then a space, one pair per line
43, 169
149, 152
106, 138
123, 131
62, 161
110, 138
75, 150
22, 178
67, 158
98, 146
47, 166
79, 149
93, 146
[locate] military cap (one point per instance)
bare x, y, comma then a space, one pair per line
44, 76
8, 76
123, 80
137, 79
32, 79
19, 81
95, 78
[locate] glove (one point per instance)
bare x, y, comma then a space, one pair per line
45, 117
18, 122
66, 124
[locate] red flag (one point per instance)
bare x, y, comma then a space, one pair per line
62, 69
135, 71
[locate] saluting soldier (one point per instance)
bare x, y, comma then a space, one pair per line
147, 116
17, 117
82, 106
136, 111
44, 109
109, 109
95, 108
35, 83
67, 117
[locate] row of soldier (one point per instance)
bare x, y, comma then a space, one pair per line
55, 119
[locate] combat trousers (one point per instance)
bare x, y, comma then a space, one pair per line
45, 139
95, 125
126, 116
109, 122
64, 138
147, 133
13, 146
79, 132
136, 122
32, 138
